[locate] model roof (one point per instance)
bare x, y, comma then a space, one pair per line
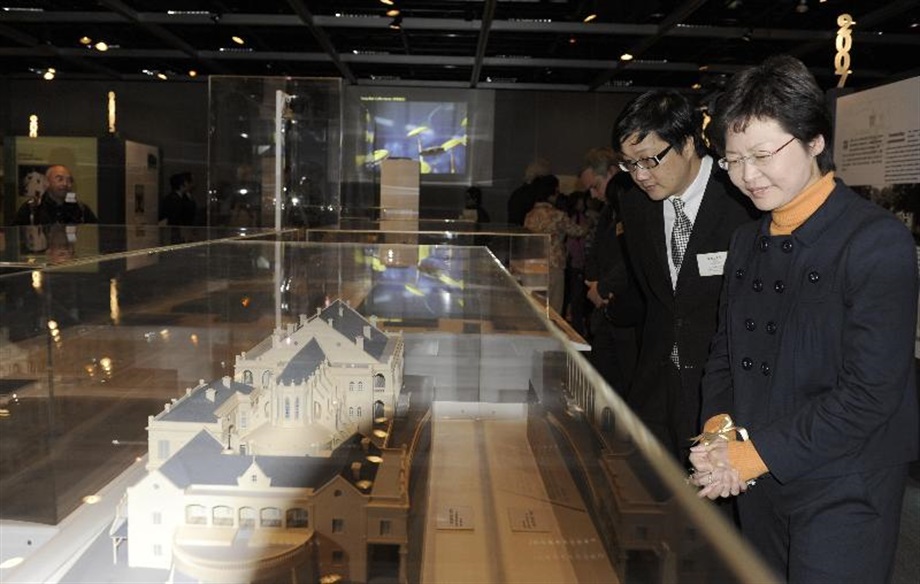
303, 364
202, 461
347, 321
197, 406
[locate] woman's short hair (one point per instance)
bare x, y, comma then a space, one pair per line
664, 112
781, 89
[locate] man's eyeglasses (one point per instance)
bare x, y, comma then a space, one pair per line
759, 159
643, 163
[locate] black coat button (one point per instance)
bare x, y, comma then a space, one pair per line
757, 285
771, 328
765, 368
747, 363
779, 286
787, 245
750, 325
764, 243
739, 273
813, 277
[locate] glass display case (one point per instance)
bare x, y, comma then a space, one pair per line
284, 411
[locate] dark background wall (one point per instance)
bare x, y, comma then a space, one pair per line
559, 126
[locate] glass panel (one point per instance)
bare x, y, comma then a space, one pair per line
242, 151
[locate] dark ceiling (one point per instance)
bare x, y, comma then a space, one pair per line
499, 44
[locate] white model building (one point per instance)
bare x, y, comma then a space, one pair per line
270, 475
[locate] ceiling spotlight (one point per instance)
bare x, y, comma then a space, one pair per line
626, 57
397, 23
85, 40
238, 40
802, 7
193, 73
161, 76
696, 86
387, 2
747, 36
101, 46
572, 40
393, 12
49, 74
590, 17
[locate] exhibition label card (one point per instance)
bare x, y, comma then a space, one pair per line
455, 517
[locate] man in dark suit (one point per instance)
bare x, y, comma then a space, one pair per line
613, 348
677, 223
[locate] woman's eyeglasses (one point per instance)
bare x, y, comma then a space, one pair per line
759, 159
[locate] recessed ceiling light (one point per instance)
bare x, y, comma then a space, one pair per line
193, 73
387, 2
393, 12
590, 17
85, 40
696, 86
101, 46
626, 57
161, 76
238, 40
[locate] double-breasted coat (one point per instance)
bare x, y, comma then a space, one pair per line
814, 350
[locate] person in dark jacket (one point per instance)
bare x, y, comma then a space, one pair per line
178, 208
58, 204
810, 387
613, 348
677, 221
523, 198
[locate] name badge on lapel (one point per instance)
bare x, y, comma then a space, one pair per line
711, 264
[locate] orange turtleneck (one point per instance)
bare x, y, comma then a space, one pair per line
793, 214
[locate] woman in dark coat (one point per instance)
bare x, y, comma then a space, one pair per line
809, 388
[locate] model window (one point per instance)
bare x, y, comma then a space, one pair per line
247, 517
296, 408
386, 526
297, 517
157, 518
196, 515
270, 517
378, 409
351, 386
359, 411
351, 412
266, 377
287, 408
222, 515
247, 377
338, 557
244, 420
360, 386
338, 525
266, 409
157, 550
317, 410
163, 449
607, 420
380, 383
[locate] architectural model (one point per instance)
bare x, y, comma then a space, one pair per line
279, 473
